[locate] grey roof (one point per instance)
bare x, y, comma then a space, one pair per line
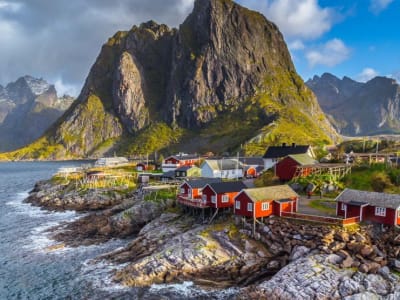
282, 151
227, 186
184, 156
200, 183
170, 174
372, 198
276, 192
252, 161
223, 164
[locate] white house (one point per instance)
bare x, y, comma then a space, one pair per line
222, 168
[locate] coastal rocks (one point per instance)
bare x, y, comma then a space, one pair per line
66, 197
121, 221
216, 255
314, 277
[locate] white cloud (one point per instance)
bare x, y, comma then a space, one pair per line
63, 88
330, 54
301, 19
367, 74
10, 6
296, 45
376, 6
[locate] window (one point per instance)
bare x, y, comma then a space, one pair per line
380, 211
249, 206
225, 198
200, 192
182, 191
213, 199
343, 206
204, 197
265, 206
237, 204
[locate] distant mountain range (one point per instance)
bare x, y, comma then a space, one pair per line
356, 108
28, 107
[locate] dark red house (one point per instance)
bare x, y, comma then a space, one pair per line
286, 168
265, 201
191, 191
369, 206
221, 194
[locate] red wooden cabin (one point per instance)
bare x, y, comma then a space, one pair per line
286, 168
221, 194
190, 191
265, 201
369, 206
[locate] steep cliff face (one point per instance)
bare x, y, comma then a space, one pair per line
222, 55
224, 77
28, 107
360, 108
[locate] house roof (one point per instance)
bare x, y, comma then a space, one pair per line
282, 151
169, 174
252, 161
303, 159
227, 186
199, 183
349, 196
277, 192
183, 156
223, 164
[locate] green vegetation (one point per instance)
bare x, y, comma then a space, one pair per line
161, 195
156, 136
267, 178
324, 205
374, 177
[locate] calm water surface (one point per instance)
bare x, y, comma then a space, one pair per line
30, 270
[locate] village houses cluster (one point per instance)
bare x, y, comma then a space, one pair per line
218, 184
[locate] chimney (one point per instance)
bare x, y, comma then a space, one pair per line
293, 145
283, 144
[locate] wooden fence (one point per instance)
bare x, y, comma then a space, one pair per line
321, 219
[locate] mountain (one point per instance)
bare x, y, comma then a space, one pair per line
223, 79
28, 107
356, 108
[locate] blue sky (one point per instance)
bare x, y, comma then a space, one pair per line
358, 39
60, 40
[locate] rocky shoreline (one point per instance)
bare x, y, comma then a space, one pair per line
285, 260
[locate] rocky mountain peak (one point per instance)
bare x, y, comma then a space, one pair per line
357, 108
28, 107
226, 70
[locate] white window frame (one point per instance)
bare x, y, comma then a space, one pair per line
204, 198
380, 211
182, 190
265, 206
224, 198
237, 204
214, 199
249, 206
343, 206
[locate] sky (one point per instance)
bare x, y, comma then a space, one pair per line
60, 40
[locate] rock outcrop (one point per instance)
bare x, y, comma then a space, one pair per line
223, 77
356, 108
28, 107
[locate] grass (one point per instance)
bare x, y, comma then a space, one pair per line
161, 195
323, 206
